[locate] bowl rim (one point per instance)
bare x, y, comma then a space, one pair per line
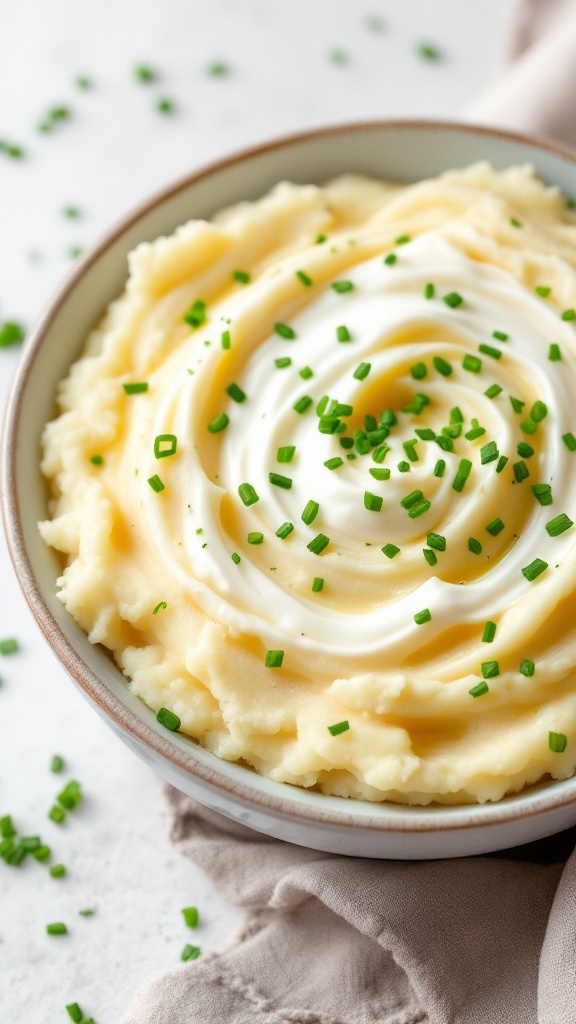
406, 818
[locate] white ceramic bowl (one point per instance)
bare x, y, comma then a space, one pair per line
405, 151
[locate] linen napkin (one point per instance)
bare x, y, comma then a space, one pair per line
335, 940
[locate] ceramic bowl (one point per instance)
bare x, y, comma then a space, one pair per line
402, 151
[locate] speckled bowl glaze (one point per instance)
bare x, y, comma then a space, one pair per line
403, 151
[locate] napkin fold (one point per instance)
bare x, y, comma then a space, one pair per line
335, 940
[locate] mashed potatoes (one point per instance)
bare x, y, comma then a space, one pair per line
314, 479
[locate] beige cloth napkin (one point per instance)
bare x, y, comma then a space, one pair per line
334, 940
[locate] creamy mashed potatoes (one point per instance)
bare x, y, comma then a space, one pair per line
314, 479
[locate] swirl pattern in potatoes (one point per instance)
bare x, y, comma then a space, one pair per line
314, 479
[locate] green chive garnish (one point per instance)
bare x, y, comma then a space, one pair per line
535, 569
500, 335
317, 545
56, 764
419, 509
378, 472
306, 372
490, 669
190, 915
495, 527
479, 690
373, 502
493, 390
411, 499
408, 447
97, 460
390, 259
168, 719
342, 286
165, 105
488, 350
380, 453
430, 556
274, 659
334, 463
11, 333
437, 541
280, 481
255, 538
524, 450
56, 814
57, 928
442, 365
247, 494
427, 51
161, 606
196, 315
501, 463
429, 291
390, 550
320, 239
160, 443
310, 512
462, 474
418, 371
474, 546
57, 870
554, 354
283, 531
362, 371
225, 339
317, 584
440, 468
453, 300
489, 632
144, 73
236, 393
9, 646
218, 423
302, 404
335, 730
475, 431
521, 471
527, 667
191, 952
342, 333
285, 331
75, 1013
543, 493
421, 617
136, 388
282, 362
557, 742
286, 453
156, 483
559, 525
569, 314
569, 441
515, 223
488, 452
303, 278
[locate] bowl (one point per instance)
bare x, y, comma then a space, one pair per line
402, 151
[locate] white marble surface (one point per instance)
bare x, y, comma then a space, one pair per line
114, 150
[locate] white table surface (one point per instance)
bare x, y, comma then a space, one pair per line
114, 151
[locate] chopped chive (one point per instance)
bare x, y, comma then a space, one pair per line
29, 843
373, 502
490, 669
168, 719
191, 952
390, 259
429, 291
379, 473
488, 452
342, 333
317, 584
255, 538
488, 350
342, 286
87, 912
9, 646
437, 541
527, 667
306, 372
196, 315
320, 239
241, 276
557, 742
411, 499
136, 388
495, 527
161, 606
280, 481
11, 333
515, 223
559, 525
283, 531
362, 371
97, 460
334, 463
307, 281
156, 483
462, 474
416, 404
420, 509
542, 290
361, 442
7, 830
427, 51
286, 453
190, 915
340, 727
418, 371
160, 452
475, 432
165, 105
453, 299
402, 240
442, 365
524, 450
440, 468
217, 68
535, 569
408, 447
144, 73
317, 545
500, 335
56, 814
236, 393
310, 512
474, 546
517, 405
493, 391
390, 550
554, 354
235, 558
543, 493
430, 556
57, 928
569, 441
282, 362
489, 632
380, 453
479, 690
225, 339
421, 617
502, 461
521, 471
285, 331
343, 409
403, 467
58, 870
302, 404
538, 412
75, 1013
247, 494
56, 764
70, 796
218, 423
329, 424
274, 659
569, 314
